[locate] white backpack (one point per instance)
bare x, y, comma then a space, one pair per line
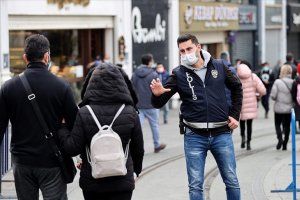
106, 155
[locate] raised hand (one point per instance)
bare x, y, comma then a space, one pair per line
157, 88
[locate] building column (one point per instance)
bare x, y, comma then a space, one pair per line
261, 31
4, 43
173, 26
283, 39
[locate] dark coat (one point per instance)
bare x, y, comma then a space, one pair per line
294, 97
105, 93
227, 91
56, 101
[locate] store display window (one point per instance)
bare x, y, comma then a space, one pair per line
64, 46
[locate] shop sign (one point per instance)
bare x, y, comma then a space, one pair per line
294, 18
149, 30
196, 17
145, 35
247, 17
62, 3
273, 17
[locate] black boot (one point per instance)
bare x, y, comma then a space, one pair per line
243, 142
279, 144
248, 145
284, 145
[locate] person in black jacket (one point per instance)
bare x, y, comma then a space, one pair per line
106, 91
35, 165
206, 117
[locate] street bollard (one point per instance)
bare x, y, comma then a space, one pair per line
294, 155
292, 187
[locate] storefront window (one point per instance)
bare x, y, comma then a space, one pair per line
65, 57
64, 48
273, 2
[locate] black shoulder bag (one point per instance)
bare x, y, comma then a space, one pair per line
66, 162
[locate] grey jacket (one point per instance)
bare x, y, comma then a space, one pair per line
281, 94
141, 80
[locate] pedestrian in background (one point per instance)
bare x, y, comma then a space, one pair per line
35, 165
163, 76
206, 117
237, 63
267, 78
141, 80
225, 57
94, 63
251, 86
106, 92
281, 94
290, 61
296, 96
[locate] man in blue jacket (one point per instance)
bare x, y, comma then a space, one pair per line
141, 80
35, 165
206, 116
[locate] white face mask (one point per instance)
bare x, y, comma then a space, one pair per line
189, 59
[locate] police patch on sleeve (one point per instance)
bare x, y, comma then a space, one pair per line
214, 73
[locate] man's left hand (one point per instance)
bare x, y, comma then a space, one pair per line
232, 123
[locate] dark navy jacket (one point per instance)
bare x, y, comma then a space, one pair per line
208, 103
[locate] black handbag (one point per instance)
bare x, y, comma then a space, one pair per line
66, 162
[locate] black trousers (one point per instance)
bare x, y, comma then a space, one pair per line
265, 102
28, 181
284, 121
249, 128
88, 195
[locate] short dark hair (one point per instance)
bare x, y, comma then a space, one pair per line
246, 63
146, 58
36, 46
224, 56
186, 37
289, 57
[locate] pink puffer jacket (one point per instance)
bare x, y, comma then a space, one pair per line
251, 85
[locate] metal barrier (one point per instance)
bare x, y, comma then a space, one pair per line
292, 187
5, 160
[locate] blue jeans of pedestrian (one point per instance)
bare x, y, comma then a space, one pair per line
221, 147
165, 110
152, 116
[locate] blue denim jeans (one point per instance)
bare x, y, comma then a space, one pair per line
165, 110
221, 147
152, 116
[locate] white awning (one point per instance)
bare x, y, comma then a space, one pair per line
49, 22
